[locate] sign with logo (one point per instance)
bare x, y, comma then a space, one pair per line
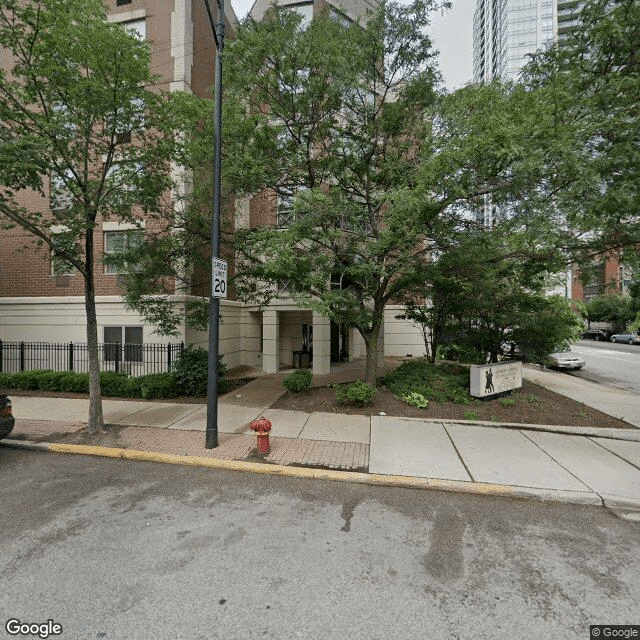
219, 278
490, 379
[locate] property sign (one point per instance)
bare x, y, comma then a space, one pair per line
489, 379
219, 278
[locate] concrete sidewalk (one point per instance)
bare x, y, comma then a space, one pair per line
571, 464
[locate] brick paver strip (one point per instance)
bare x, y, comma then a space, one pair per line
285, 451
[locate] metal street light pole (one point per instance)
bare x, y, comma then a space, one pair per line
214, 301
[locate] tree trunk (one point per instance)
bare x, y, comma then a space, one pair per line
96, 420
371, 366
371, 343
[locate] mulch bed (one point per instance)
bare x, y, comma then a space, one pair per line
534, 405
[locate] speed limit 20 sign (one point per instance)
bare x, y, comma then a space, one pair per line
219, 279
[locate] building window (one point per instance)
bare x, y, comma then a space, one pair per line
117, 337
119, 3
60, 266
61, 195
288, 212
137, 28
117, 244
127, 119
304, 10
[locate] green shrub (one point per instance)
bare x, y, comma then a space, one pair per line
133, 387
460, 353
471, 415
416, 399
28, 380
158, 385
531, 399
191, 372
507, 402
5, 380
113, 383
436, 382
75, 382
52, 381
358, 393
298, 381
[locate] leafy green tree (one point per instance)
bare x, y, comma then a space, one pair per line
77, 85
593, 81
481, 294
371, 169
614, 308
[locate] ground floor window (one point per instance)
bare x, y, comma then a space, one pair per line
116, 337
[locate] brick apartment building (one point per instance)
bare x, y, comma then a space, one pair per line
36, 305
610, 277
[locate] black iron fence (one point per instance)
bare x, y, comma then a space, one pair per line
134, 359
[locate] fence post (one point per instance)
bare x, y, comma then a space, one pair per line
71, 356
1, 358
118, 352
22, 356
169, 346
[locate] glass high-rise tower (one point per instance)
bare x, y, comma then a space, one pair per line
505, 31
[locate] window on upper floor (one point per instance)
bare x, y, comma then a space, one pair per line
116, 245
303, 9
288, 213
125, 120
62, 241
340, 17
60, 193
137, 27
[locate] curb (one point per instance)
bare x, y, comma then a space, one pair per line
407, 482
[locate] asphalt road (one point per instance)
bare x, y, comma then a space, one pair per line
135, 551
613, 364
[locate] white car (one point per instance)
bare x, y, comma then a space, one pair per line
565, 360
629, 338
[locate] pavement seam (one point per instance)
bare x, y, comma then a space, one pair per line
633, 464
455, 448
437, 484
304, 425
580, 480
168, 426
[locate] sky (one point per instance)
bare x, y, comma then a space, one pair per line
451, 32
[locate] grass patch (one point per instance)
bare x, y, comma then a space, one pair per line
437, 382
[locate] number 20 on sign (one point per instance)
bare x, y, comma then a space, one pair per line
219, 280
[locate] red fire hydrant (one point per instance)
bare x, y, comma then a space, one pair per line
262, 426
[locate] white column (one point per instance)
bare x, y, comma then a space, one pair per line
321, 345
270, 341
354, 344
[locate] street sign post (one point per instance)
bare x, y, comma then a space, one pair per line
211, 434
219, 278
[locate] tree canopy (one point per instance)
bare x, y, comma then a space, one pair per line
78, 86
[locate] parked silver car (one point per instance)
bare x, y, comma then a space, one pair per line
565, 360
629, 338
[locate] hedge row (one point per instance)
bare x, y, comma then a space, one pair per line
188, 377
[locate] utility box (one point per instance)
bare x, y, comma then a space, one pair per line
301, 360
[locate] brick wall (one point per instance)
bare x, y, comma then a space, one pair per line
263, 210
